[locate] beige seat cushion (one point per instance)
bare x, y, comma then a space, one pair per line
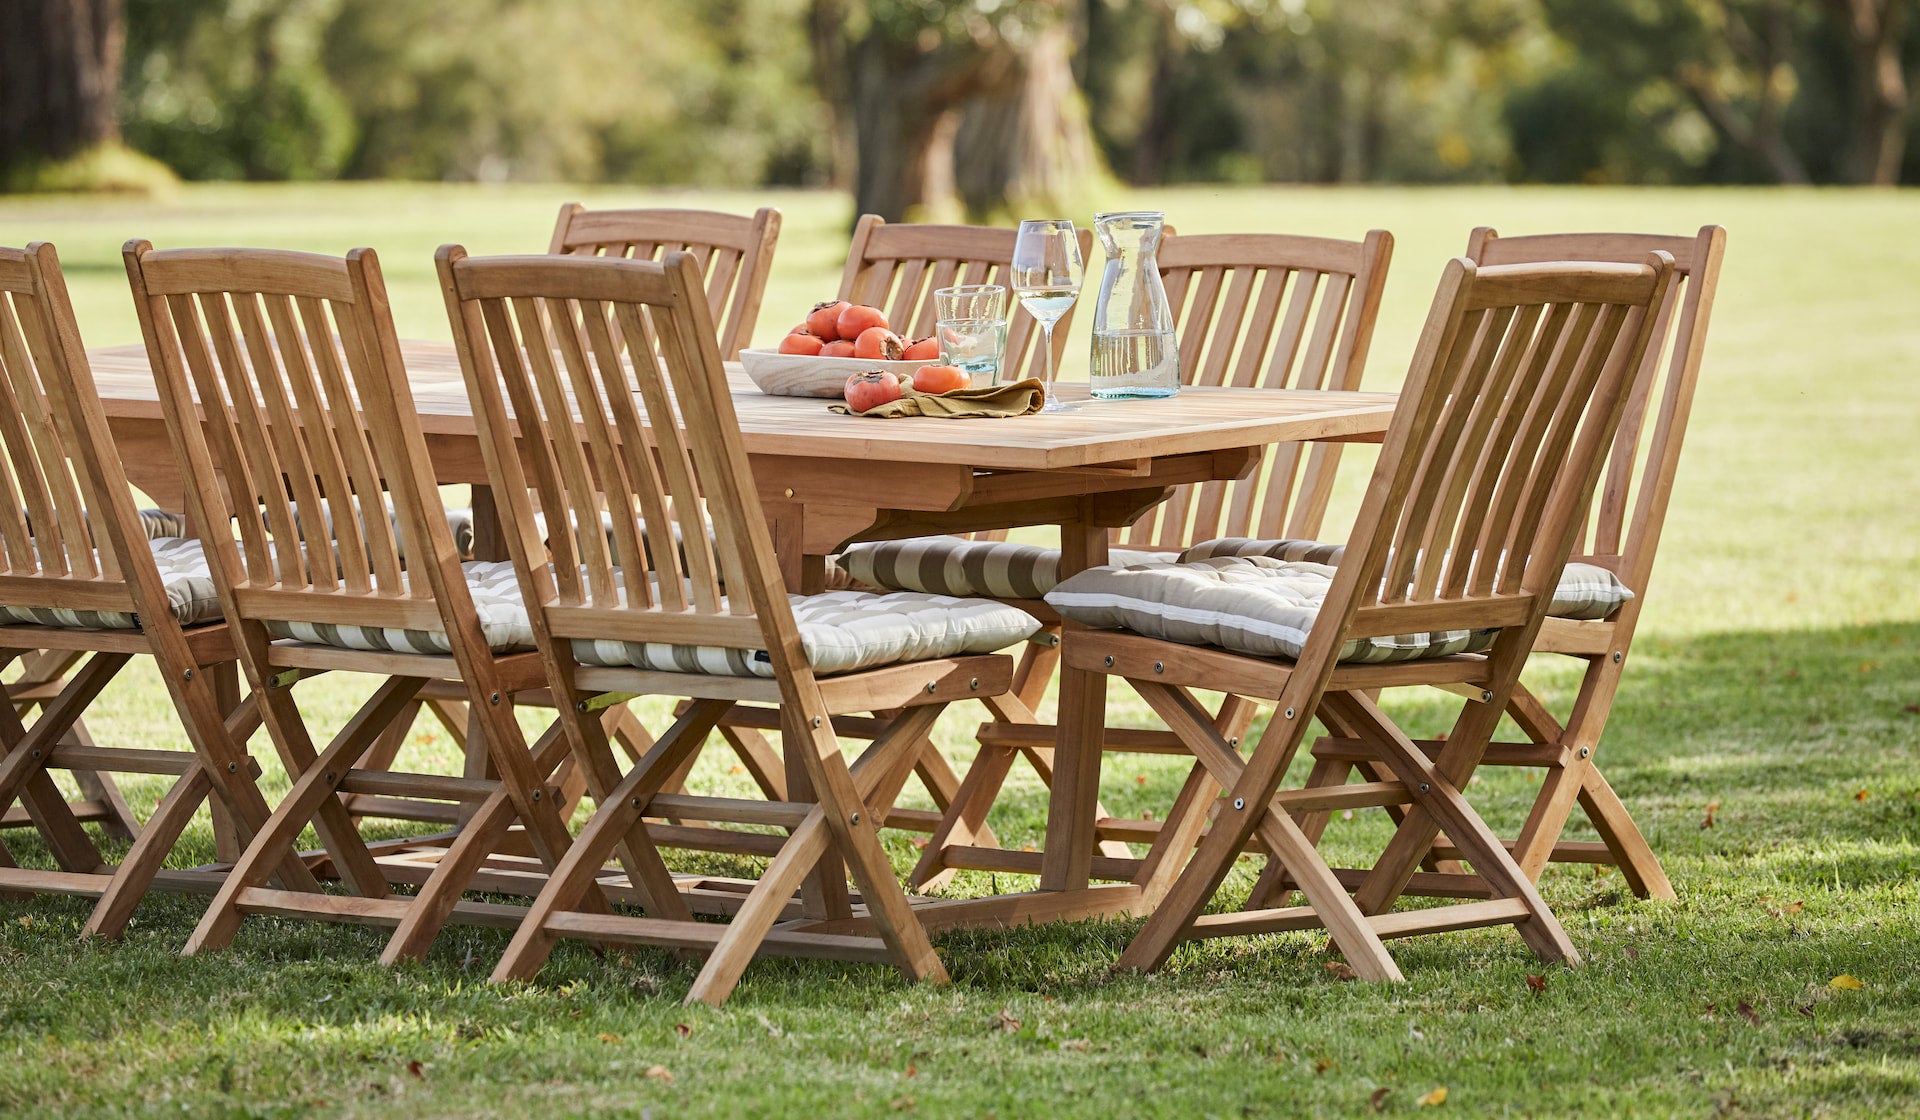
459, 524
183, 572
1248, 604
1585, 591
956, 566
496, 598
843, 632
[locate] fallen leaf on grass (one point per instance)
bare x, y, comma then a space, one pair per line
1787, 911
1845, 983
609, 1039
682, 1030
26, 921
903, 1104
1805, 1010
1632, 952
1911, 709
1712, 808
1341, 970
1003, 1020
911, 1070
1322, 1065
660, 1073
416, 1069
736, 768
1140, 779
919, 843
1537, 983
1747, 1012
1378, 1101
1433, 1099
1862, 795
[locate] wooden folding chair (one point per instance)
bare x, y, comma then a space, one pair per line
281, 381
735, 253
1622, 534
1515, 391
1270, 311
81, 581
606, 426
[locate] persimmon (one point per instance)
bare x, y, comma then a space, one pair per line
824, 317
921, 350
858, 318
838, 348
877, 344
871, 390
801, 342
940, 379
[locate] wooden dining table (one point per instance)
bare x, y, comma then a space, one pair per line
828, 480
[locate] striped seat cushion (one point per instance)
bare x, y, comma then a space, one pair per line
459, 524
1585, 591
843, 632
184, 574
955, 566
496, 597
1254, 605
159, 523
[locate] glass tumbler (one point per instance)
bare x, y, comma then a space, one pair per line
972, 329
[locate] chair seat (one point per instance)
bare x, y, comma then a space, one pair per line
459, 524
943, 565
843, 632
183, 572
1254, 605
1585, 591
496, 598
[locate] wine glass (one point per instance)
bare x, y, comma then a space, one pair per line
1046, 277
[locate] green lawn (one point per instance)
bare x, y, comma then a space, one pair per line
1777, 675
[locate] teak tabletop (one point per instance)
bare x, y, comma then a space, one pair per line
827, 480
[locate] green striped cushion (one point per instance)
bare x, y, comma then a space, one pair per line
183, 572
459, 523
496, 596
1585, 591
842, 632
956, 566
1254, 605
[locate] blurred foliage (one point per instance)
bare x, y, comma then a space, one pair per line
715, 91
740, 92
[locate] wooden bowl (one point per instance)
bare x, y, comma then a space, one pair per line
797, 375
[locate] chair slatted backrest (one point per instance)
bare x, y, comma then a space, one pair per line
735, 253
1270, 311
1518, 385
1623, 527
560, 353
898, 267
69, 534
292, 362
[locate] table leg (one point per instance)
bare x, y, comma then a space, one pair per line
489, 539
1082, 722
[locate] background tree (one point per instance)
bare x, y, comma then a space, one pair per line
972, 100
59, 78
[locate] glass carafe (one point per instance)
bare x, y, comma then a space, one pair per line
1135, 353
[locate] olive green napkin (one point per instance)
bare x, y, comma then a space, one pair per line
1017, 398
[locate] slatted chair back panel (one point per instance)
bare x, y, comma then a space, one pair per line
291, 361
66, 517
561, 354
1268, 311
735, 253
1623, 526
1521, 377
898, 267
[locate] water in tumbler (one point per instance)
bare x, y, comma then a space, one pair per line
974, 345
1135, 363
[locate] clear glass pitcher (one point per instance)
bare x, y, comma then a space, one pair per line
1135, 353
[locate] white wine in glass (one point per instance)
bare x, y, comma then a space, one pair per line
1046, 277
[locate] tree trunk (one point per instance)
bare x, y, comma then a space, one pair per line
930, 105
59, 76
1026, 142
1879, 135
